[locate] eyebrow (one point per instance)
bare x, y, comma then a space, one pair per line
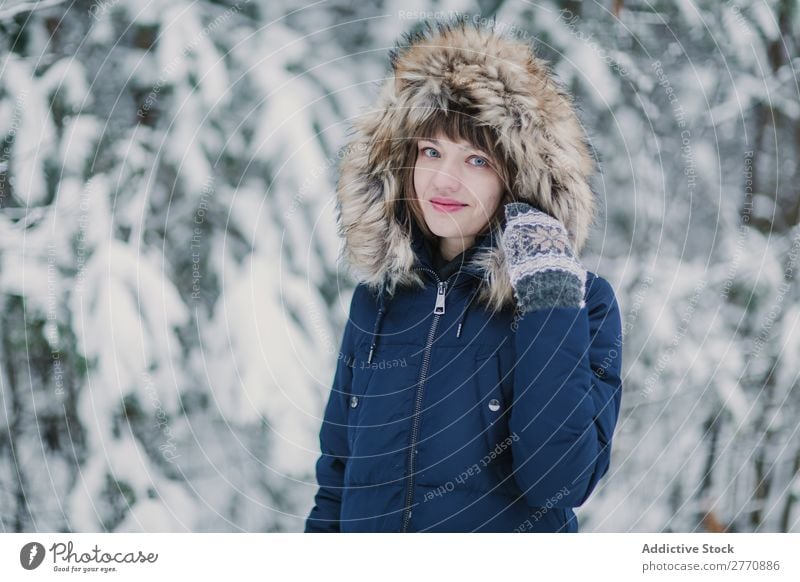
471, 148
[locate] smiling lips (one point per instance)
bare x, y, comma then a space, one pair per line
446, 204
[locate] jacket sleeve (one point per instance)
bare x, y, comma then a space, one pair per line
567, 395
334, 447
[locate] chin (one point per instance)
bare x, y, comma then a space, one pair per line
444, 230
449, 232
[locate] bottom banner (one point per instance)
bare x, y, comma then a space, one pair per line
350, 557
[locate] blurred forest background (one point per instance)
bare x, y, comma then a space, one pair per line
171, 302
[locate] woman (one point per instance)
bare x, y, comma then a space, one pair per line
478, 384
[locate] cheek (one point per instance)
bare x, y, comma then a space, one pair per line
419, 181
489, 198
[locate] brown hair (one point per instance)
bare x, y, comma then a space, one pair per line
457, 124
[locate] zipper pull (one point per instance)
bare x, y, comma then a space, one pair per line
439, 309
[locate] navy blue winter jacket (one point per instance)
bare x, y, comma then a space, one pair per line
460, 421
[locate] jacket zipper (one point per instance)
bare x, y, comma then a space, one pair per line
438, 310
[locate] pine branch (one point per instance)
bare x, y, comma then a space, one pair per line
10, 12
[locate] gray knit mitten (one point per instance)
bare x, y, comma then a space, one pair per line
543, 268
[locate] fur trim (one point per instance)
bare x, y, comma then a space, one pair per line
514, 92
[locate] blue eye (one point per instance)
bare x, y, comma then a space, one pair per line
425, 149
484, 161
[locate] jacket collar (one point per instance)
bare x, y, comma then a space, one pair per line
471, 269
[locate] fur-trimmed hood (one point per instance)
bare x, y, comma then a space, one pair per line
511, 90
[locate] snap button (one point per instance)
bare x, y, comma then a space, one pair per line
353, 401
494, 405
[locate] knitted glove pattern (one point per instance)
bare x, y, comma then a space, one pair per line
543, 268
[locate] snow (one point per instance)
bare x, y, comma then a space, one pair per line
33, 131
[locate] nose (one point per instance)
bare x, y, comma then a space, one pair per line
446, 178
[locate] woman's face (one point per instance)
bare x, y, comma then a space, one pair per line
458, 189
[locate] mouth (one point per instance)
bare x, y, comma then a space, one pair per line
446, 205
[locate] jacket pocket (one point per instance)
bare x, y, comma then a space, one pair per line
493, 408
